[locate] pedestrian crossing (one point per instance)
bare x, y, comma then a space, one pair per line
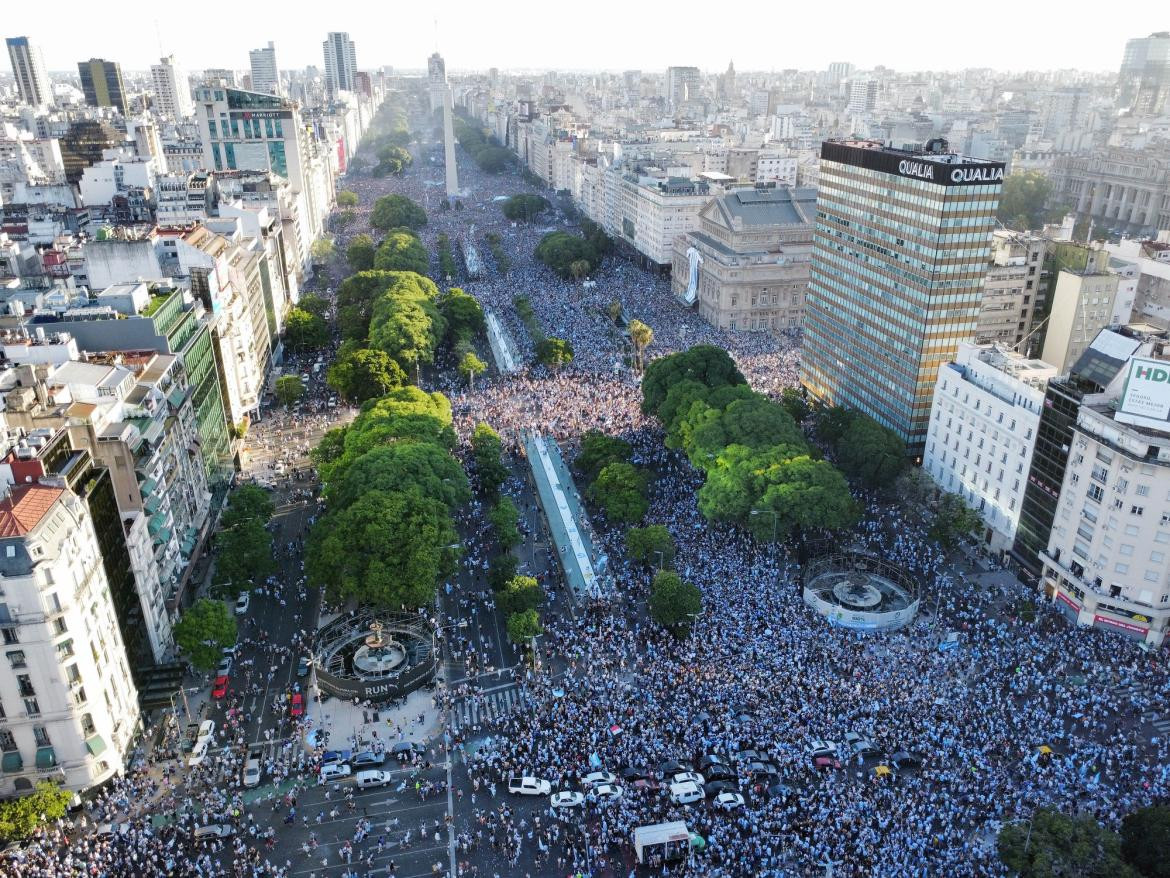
473, 710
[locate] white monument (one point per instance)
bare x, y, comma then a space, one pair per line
449, 146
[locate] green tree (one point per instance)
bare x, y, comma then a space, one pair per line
408, 328
387, 549
204, 630
952, 520
487, 451
401, 250
614, 310
559, 250
706, 364
620, 489
674, 604
464, 315
305, 331
501, 571
555, 352
522, 594
364, 373
421, 468
357, 294
289, 389
1023, 201
493, 159
394, 211
243, 555
580, 268
641, 337
22, 816
755, 421
314, 304
1054, 845
469, 366
505, 521
321, 250
1145, 838
651, 545
598, 450
524, 207
872, 453
392, 159
347, 198
833, 422
795, 404
360, 253
248, 503
522, 627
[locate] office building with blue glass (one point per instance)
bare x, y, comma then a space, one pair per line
900, 252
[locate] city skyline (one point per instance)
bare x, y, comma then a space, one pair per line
603, 40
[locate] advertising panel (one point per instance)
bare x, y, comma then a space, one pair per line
1145, 401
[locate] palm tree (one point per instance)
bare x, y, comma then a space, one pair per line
640, 336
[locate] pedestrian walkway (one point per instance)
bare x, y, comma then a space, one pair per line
475, 709
504, 351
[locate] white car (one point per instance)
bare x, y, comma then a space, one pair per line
334, 771
567, 799
689, 776
206, 730
214, 830
252, 772
685, 793
242, 603
372, 778
606, 792
198, 753
529, 786
225, 666
728, 801
822, 748
597, 778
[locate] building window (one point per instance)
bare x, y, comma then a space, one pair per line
16, 657
31, 707
11, 636
7, 742
87, 726
1137, 510
1095, 493
1142, 490
41, 736
25, 686
1152, 576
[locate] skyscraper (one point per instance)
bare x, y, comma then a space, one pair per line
340, 62
682, 84
1145, 75
172, 90
900, 253
265, 76
437, 80
102, 83
29, 69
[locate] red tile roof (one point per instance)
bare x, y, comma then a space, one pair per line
24, 507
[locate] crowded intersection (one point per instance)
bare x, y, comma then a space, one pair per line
764, 694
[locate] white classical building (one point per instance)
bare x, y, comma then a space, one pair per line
70, 708
983, 425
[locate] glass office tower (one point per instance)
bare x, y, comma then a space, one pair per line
900, 252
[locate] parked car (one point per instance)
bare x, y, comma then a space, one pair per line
404, 750
302, 667
719, 787
728, 801
822, 748
692, 776
335, 771
749, 756
219, 689
206, 731
375, 778
252, 772
632, 774
596, 778
672, 767
367, 758
606, 792
336, 757
685, 793
198, 753
718, 771
243, 602
762, 771
567, 799
529, 786
297, 705
225, 666
214, 830
904, 759
711, 759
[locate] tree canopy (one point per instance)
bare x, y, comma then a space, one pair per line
305, 331
421, 468
522, 627
1023, 203
406, 322
1057, 845
505, 520
360, 253
650, 545
203, 631
464, 315
393, 211
347, 198
1145, 838
401, 250
392, 159
674, 604
598, 450
525, 207
620, 489
870, 452
559, 250
289, 389
555, 352
522, 593
22, 816
363, 373
706, 364
487, 451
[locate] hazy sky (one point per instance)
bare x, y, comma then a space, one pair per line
598, 34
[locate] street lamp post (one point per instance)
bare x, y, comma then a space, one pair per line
775, 521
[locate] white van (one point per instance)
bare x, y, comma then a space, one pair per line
373, 778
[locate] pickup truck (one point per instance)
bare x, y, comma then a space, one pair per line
529, 786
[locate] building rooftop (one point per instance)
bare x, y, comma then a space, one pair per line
24, 507
782, 206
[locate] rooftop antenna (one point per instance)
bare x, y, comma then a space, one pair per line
158, 36
436, 36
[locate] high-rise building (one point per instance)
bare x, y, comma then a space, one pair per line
265, 76
862, 95
29, 69
900, 253
682, 84
437, 80
840, 71
340, 62
1145, 75
102, 83
172, 91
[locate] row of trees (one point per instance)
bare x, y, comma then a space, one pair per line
614, 483
573, 256
486, 151
550, 351
243, 545
391, 484
760, 472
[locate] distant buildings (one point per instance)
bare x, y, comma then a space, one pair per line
101, 81
1119, 188
1144, 79
265, 75
340, 63
747, 264
172, 90
900, 255
29, 69
682, 84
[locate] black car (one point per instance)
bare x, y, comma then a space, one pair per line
405, 749
632, 774
716, 771
762, 770
671, 767
778, 791
905, 759
368, 759
720, 786
709, 760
